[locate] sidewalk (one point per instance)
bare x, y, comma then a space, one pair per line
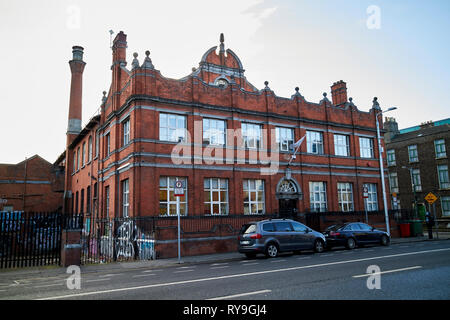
52, 271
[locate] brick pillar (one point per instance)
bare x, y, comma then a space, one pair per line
71, 247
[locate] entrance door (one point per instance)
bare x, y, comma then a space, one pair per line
288, 208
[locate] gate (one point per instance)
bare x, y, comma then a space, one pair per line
30, 239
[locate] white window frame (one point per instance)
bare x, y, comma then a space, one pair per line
413, 155
416, 182
90, 149
251, 135
107, 194
345, 196
126, 198
126, 132
284, 138
393, 182
83, 154
97, 143
391, 157
445, 206
171, 202
439, 148
314, 142
256, 196
371, 203
442, 171
172, 127
366, 148
219, 187
214, 132
318, 196
341, 145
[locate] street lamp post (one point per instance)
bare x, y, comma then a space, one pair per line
380, 157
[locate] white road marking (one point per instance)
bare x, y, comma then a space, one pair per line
96, 280
327, 255
221, 267
186, 267
239, 275
389, 271
49, 285
218, 264
303, 258
152, 271
144, 275
241, 295
253, 263
278, 260
109, 275
183, 271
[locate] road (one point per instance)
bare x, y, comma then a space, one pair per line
407, 271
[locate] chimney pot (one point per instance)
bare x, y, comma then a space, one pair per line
77, 53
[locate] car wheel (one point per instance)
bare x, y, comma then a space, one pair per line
250, 255
319, 246
271, 250
351, 244
384, 240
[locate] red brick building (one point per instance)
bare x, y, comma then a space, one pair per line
31, 185
126, 160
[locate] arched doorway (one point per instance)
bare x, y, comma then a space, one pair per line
288, 193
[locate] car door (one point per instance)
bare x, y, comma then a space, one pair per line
283, 234
357, 232
302, 237
370, 236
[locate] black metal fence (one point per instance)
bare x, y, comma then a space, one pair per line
32, 239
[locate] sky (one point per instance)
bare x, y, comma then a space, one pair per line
396, 50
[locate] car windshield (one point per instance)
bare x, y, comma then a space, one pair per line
248, 228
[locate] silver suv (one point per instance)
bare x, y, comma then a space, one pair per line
278, 235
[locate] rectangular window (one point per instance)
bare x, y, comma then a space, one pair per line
254, 196
90, 149
416, 183
439, 148
83, 155
108, 144
125, 198
78, 158
341, 145
318, 196
216, 196
251, 135
126, 132
445, 205
74, 161
314, 142
366, 147
167, 199
443, 177
107, 202
82, 201
345, 196
88, 199
97, 144
371, 203
391, 157
284, 138
172, 127
393, 182
76, 202
214, 132
412, 153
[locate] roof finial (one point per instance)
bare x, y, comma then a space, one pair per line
135, 63
147, 61
222, 45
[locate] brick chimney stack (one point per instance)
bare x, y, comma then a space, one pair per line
339, 92
76, 67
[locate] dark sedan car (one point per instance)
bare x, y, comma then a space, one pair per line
354, 234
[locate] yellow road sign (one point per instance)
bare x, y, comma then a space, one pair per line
431, 198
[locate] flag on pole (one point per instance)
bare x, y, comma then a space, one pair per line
299, 142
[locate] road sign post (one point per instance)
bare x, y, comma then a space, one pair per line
366, 196
179, 192
431, 199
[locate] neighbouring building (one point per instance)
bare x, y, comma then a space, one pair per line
227, 142
417, 159
31, 185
